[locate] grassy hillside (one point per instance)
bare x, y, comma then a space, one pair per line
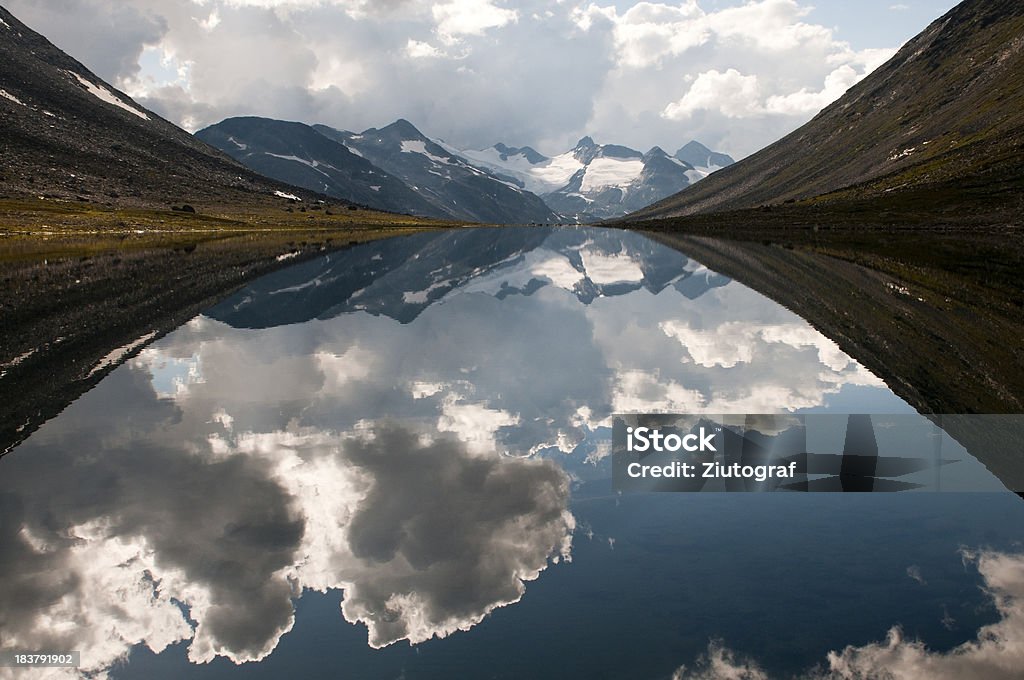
935, 133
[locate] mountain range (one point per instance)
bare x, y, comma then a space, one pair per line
936, 134
398, 168
401, 277
593, 182
443, 177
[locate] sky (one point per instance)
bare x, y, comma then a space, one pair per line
733, 74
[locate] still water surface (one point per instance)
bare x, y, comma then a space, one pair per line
393, 462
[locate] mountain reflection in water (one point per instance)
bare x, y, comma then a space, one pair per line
422, 422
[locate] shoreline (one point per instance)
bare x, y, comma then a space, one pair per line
90, 284
79, 289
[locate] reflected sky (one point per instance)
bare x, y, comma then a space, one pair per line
421, 423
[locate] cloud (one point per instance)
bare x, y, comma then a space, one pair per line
234, 524
720, 664
421, 50
996, 653
470, 17
732, 94
473, 72
647, 32
128, 541
444, 536
734, 78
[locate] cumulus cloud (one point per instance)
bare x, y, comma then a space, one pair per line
470, 17
443, 536
125, 540
235, 527
474, 72
420, 50
736, 77
996, 653
732, 94
647, 32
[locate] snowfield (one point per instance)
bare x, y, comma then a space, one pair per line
611, 172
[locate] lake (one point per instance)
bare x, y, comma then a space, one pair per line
394, 461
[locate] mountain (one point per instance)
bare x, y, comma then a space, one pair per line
66, 134
700, 156
593, 182
455, 187
297, 154
937, 131
401, 277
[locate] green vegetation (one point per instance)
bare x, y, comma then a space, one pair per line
34, 230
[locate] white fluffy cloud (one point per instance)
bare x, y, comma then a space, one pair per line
469, 17
476, 72
738, 77
997, 652
732, 94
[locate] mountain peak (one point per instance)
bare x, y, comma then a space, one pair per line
403, 128
585, 143
529, 153
693, 146
700, 156
655, 152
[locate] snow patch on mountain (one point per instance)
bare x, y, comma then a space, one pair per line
697, 174
548, 175
605, 269
105, 95
610, 172
7, 95
420, 147
315, 165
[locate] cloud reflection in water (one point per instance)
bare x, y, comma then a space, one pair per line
201, 487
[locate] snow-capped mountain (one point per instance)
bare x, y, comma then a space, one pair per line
593, 182
298, 154
452, 184
402, 277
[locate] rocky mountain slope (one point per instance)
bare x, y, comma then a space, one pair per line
455, 187
67, 134
297, 154
938, 130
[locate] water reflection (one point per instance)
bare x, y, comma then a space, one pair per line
374, 422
